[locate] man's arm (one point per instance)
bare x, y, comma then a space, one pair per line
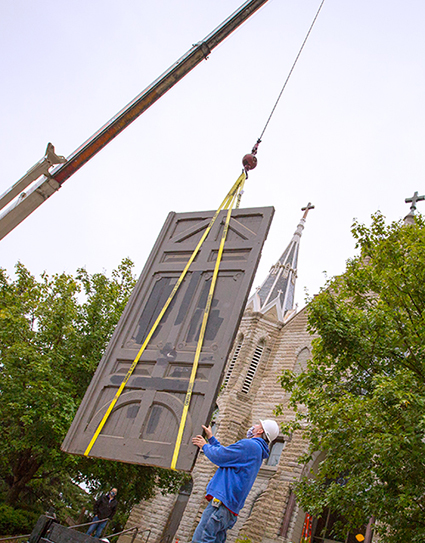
221, 456
226, 457
96, 505
114, 509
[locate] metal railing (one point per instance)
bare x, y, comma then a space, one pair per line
134, 529
15, 537
89, 523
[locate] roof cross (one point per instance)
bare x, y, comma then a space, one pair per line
306, 209
415, 198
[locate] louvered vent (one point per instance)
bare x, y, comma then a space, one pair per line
253, 368
232, 364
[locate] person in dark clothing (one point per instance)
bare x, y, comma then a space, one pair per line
238, 466
104, 509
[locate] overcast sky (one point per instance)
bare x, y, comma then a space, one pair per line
347, 135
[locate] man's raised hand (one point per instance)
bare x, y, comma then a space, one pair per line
208, 431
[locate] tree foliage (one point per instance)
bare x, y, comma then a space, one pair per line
53, 332
362, 398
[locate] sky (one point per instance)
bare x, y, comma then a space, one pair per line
347, 134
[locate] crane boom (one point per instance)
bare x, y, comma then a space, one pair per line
51, 181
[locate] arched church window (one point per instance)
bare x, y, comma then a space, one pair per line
253, 367
214, 419
301, 363
233, 362
276, 451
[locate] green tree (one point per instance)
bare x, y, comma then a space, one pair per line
362, 398
53, 332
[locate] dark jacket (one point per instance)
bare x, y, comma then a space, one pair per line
105, 508
238, 467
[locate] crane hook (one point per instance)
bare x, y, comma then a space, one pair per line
249, 161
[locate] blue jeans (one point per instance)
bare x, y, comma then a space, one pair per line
98, 527
214, 523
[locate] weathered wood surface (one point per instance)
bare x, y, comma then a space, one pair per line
142, 427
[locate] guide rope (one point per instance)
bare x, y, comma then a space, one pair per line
226, 204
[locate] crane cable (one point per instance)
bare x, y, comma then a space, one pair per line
247, 158
292, 69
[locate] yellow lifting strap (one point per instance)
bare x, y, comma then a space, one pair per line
227, 203
202, 335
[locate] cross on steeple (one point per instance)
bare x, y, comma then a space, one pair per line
415, 198
307, 209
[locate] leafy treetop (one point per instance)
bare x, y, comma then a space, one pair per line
362, 398
53, 332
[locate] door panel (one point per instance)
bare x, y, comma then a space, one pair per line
142, 428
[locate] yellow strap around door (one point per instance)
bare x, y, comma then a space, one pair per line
201, 338
225, 203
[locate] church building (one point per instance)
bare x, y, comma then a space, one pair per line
272, 336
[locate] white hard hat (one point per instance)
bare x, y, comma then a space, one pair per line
271, 429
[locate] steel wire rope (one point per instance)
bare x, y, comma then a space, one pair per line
290, 71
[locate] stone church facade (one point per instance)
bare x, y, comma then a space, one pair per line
272, 336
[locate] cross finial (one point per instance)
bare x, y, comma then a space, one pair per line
306, 209
415, 198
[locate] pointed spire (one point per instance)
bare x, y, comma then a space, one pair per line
279, 287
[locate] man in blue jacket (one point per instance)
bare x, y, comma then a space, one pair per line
238, 466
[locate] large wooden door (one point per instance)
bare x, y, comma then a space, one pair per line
142, 427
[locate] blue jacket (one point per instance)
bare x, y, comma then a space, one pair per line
238, 465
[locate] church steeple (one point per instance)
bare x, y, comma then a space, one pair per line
277, 291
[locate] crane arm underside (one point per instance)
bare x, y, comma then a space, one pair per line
52, 180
